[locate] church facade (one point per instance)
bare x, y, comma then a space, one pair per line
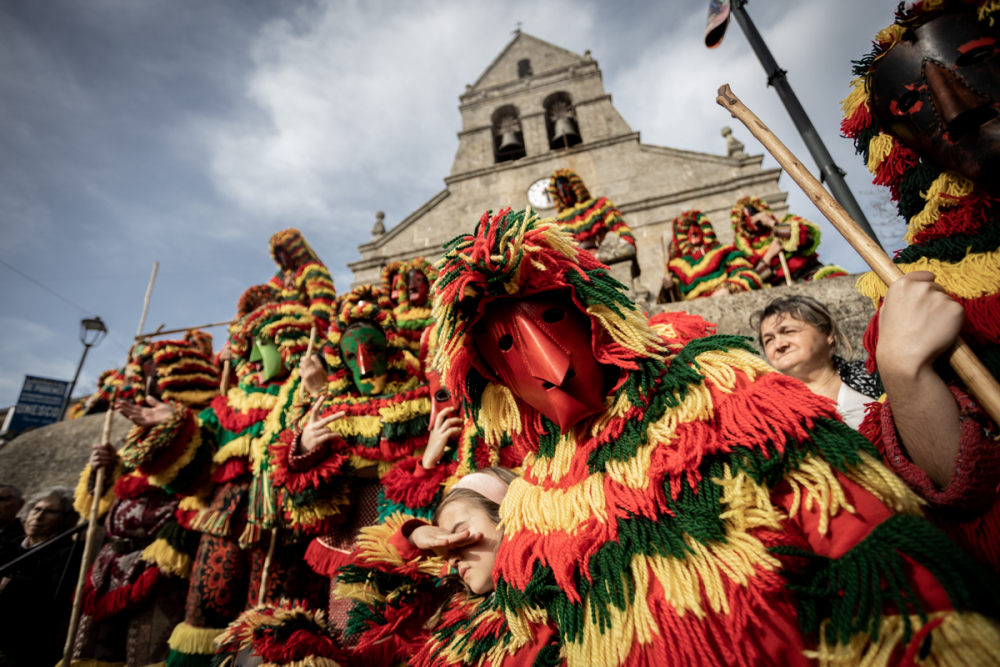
538, 108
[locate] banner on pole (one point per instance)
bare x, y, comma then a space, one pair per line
39, 404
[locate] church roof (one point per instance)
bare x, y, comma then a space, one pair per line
543, 55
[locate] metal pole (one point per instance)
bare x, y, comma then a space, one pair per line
830, 173
72, 385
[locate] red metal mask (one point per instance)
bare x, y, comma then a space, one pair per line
441, 398
539, 347
419, 288
938, 91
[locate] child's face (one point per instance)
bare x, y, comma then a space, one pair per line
474, 562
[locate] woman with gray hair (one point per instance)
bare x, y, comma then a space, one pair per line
35, 598
801, 339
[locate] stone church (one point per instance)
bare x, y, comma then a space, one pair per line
513, 138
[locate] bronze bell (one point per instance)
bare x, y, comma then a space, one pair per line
565, 128
509, 142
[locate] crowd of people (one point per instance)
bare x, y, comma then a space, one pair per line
499, 459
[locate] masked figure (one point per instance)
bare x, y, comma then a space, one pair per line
134, 591
406, 289
923, 116
100, 400
760, 236
680, 503
700, 266
376, 381
261, 483
301, 276
587, 219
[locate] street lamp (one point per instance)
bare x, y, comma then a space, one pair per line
92, 332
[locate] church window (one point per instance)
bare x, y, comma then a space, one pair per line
560, 122
508, 141
524, 68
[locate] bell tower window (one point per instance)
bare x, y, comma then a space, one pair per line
508, 141
524, 68
560, 122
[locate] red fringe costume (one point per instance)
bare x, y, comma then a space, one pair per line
134, 591
800, 248
716, 513
302, 277
411, 320
701, 266
590, 218
954, 232
261, 484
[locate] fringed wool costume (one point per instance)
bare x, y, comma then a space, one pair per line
281, 635
261, 484
387, 409
799, 248
411, 319
134, 591
302, 277
588, 218
715, 513
954, 232
701, 266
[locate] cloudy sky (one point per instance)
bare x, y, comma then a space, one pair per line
188, 131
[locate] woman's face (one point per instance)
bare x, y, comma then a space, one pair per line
793, 346
474, 562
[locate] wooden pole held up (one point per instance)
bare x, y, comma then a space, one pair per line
227, 368
159, 331
963, 360
266, 570
91, 543
784, 267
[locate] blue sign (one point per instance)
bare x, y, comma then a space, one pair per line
40, 403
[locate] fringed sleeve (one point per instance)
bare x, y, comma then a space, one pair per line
83, 497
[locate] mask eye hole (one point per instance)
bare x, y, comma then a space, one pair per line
441, 395
907, 100
975, 56
506, 342
553, 315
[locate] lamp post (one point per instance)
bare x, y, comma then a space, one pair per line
92, 332
718, 19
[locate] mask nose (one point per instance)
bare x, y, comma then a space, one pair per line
960, 108
547, 360
366, 361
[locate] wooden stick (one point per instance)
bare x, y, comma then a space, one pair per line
309, 351
666, 266
158, 332
784, 267
91, 543
265, 571
227, 368
149, 293
963, 360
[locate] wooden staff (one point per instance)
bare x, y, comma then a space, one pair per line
666, 266
963, 360
160, 332
265, 571
91, 543
149, 293
784, 267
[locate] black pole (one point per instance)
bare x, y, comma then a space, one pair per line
830, 173
72, 385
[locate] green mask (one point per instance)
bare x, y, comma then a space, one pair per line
266, 352
365, 353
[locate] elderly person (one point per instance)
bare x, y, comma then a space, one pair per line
35, 598
801, 339
11, 503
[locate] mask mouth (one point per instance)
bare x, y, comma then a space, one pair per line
570, 374
970, 121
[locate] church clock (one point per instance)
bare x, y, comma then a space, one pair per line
538, 194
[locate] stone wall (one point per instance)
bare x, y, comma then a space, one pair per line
54, 455
732, 314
